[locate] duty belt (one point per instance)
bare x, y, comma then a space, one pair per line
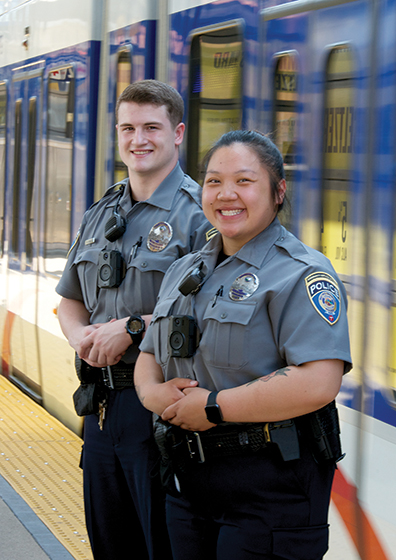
118, 376
234, 440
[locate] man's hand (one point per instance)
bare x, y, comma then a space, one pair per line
106, 344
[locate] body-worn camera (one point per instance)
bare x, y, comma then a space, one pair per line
193, 283
182, 336
111, 269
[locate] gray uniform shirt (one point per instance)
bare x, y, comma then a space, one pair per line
159, 230
276, 302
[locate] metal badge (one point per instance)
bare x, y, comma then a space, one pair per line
244, 286
324, 295
159, 236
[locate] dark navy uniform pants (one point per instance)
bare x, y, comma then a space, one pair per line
124, 503
250, 508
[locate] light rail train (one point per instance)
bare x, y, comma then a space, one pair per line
319, 75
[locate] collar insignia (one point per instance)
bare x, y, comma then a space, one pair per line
211, 233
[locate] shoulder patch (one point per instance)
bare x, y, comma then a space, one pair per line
211, 233
73, 244
324, 294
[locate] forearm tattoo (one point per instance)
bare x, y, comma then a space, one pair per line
265, 378
139, 394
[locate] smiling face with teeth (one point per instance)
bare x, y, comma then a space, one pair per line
237, 197
148, 144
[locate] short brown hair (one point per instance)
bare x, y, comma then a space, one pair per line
156, 93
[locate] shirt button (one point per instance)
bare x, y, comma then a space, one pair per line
144, 264
109, 318
223, 315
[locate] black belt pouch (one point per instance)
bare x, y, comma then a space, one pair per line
85, 401
86, 398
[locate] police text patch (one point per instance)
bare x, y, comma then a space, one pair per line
324, 295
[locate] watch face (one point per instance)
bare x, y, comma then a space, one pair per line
135, 325
213, 413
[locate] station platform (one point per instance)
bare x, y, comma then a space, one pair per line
41, 502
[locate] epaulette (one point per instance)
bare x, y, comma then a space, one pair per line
111, 190
116, 187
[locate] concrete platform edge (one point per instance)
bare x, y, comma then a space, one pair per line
39, 531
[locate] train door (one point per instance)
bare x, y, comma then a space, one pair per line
337, 161
340, 241
57, 358
3, 155
22, 260
215, 88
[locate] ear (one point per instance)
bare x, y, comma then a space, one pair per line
281, 192
179, 133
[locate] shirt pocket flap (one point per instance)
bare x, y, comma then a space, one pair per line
229, 312
155, 262
162, 309
87, 255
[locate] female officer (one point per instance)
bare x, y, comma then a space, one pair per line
248, 340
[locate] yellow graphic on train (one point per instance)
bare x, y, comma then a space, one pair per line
335, 234
337, 161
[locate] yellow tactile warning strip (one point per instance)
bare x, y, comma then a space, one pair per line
39, 458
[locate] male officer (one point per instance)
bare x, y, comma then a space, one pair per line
125, 244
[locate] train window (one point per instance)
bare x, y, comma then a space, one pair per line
3, 136
124, 78
284, 122
215, 90
29, 218
337, 159
59, 168
17, 179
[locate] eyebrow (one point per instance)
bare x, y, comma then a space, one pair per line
239, 171
144, 124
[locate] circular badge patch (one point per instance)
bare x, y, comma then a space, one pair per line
244, 286
159, 236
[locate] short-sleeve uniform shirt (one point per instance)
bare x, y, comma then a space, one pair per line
276, 302
159, 230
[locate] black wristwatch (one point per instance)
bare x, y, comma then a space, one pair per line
135, 328
212, 409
